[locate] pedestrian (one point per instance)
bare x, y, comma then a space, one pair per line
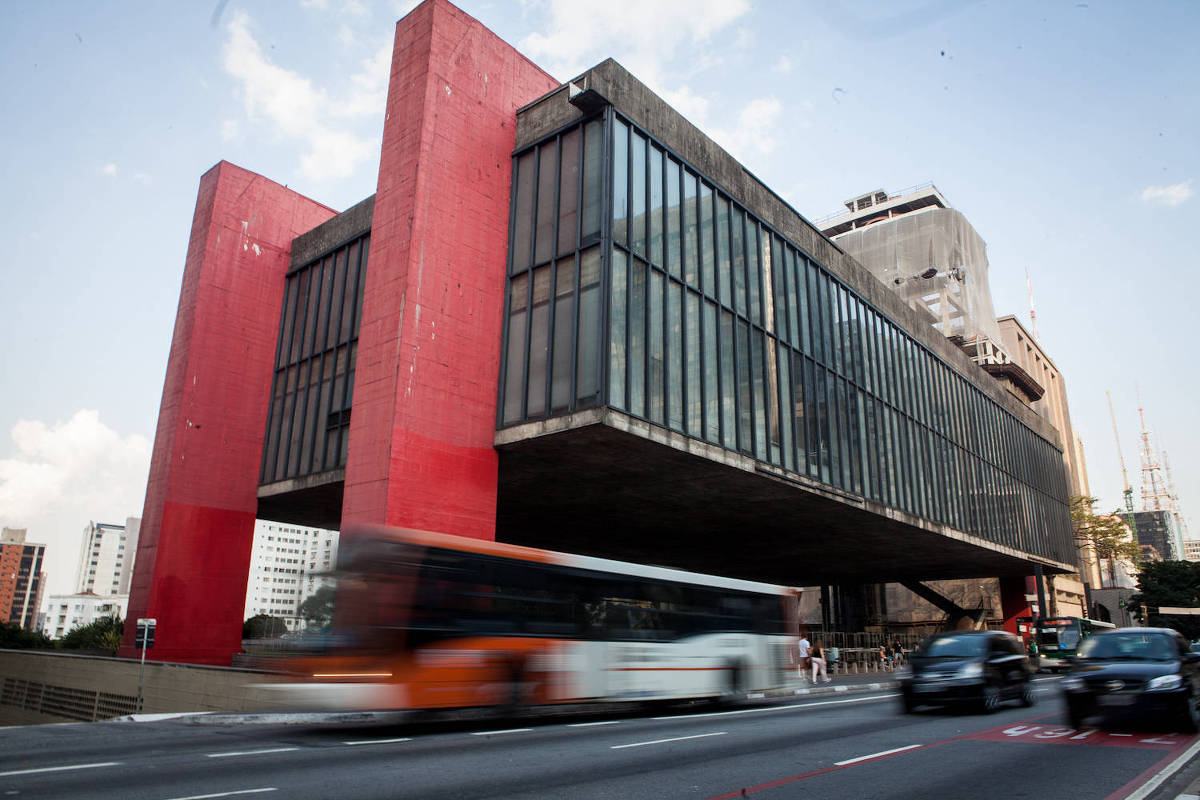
897, 653
885, 658
804, 647
818, 662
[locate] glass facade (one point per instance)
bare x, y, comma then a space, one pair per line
717, 327
309, 421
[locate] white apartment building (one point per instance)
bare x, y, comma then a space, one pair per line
285, 568
106, 558
1191, 549
66, 611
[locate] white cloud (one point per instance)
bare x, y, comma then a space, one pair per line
295, 107
783, 66
109, 170
142, 177
229, 130
753, 134
642, 36
64, 474
1173, 195
369, 85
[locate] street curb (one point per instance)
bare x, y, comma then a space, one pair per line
366, 717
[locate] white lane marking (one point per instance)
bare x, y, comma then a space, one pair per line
780, 708
664, 741
496, 733
60, 769
876, 755
1166, 772
252, 752
225, 794
591, 724
379, 741
1120, 734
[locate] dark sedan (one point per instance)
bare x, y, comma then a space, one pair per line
975, 668
1135, 675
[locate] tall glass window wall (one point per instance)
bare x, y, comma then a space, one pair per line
309, 421
718, 328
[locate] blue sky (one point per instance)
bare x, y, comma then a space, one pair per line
1065, 132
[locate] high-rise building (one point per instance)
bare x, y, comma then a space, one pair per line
67, 611
1191, 549
286, 567
1158, 534
106, 557
21, 578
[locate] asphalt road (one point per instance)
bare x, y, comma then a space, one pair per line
853, 746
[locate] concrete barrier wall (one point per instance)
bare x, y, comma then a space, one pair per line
39, 687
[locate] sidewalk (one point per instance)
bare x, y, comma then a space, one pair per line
843, 682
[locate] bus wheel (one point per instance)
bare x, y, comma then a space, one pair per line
736, 686
515, 695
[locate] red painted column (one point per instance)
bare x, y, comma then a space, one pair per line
1013, 603
423, 421
193, 554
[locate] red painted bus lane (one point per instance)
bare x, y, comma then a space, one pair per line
1060, 734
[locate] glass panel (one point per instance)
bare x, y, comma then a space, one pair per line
359, 283
637, 338
637, 194
656, 206
539, 341
587, 360
745, 398
784, 356
514, 365
657, 354
692, 367
620, 227
723, 272
691, 231
821, 396
803, 293
564, 325
737, 262
728, 384
289, 315
712, 397
618, 308
754, 271
816, 322
706, 252
593, 148
522, 236
547, 181
568, 192
336, 299
759, 388
674, 213
674, 356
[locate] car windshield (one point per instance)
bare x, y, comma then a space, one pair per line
953, 647
1130, 646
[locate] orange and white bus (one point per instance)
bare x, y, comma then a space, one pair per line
426, 620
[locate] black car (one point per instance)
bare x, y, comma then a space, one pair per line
979, 669
1134, 674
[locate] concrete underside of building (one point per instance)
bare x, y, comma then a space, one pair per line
391, 412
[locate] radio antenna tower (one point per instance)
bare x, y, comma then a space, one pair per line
1032, 311
1155, 495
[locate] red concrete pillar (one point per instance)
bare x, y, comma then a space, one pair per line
424, 414
197, 526
1013, 603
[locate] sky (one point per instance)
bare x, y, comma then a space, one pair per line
1066, 133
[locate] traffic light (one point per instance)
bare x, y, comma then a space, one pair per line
144, 640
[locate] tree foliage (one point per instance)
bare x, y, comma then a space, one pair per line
14, 637
263, 626
1107, 536
1169, 583
102, 634
317, 608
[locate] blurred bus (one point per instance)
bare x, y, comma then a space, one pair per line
1059, 637
427, 620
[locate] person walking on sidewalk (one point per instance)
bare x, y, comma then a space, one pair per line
818, 662
805, 648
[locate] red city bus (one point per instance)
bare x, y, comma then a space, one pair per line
427, 620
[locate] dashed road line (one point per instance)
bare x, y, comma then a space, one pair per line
379, 741
497, 733
768, 709
225, 794
252, 752
877, 755
593, 724
64, 768
664, 741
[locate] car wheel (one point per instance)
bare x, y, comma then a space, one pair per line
907, 703
1190, 719
1074, 716
1028, 697
989, 701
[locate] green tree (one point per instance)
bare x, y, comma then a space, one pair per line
103, 634
14, 637
317, 608
1106, 536
1169, 583
263, 626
